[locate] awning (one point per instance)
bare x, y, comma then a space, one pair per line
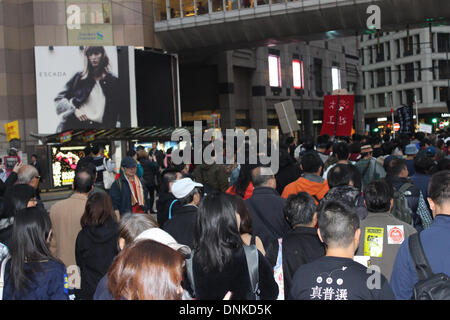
150, 134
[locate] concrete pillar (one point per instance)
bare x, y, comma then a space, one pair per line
226, 90
258, 106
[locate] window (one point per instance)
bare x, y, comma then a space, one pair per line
94, 13
397, 46
380, 52
444, 69
318, 76
417, 40
274, 71
297, 74
409, 72
407, 46
409, 97
443, 40
443, 94
419, 71
381, 100
388, 50
381, 78
336, 78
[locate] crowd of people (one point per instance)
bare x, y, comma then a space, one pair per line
338, 221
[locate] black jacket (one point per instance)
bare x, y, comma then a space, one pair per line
300, 246
235, 278
150, 171
266, 210
95, 249
163, 205
78, 90
182, 224
289, 172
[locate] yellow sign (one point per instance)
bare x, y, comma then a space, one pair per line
373, 242
12, 130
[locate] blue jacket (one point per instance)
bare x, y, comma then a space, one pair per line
49, 284
122, 200
436, 244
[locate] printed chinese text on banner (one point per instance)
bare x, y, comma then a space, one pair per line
344, 114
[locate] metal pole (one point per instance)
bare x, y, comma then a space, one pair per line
336, 120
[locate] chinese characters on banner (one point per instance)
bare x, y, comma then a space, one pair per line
405, 115
344, 114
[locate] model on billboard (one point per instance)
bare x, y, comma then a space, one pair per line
91, 98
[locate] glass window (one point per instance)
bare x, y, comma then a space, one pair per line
336, 78
160, 10
202, 7
443, 40
217, 5
175, 9
297, 73
274, 71
444, 69
188, 8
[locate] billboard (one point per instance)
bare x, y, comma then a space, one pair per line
85, 88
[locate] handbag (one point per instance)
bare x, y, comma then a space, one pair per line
2, 276
278, 271
108, 176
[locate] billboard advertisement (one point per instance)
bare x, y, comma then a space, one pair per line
85, 88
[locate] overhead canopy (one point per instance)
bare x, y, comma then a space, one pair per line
149, 134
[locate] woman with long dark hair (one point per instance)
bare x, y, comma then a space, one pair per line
19, 197
219, 262
32, 273
243, 186
96, 244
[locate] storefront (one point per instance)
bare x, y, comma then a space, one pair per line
60, 153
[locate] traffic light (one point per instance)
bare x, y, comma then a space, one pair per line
434, 120
376, 129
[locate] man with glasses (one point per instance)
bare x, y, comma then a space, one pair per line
28, 174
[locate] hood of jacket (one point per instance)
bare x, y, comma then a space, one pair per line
102, 233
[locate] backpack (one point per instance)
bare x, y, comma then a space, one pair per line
431, 286
401, 210
251, 255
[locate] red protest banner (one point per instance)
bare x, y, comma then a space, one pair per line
343, 112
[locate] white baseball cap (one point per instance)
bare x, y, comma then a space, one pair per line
182, 187
159, 235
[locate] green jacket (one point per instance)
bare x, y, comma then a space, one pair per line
370, 172
212, 175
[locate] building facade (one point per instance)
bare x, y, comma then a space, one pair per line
406, 68
249, 82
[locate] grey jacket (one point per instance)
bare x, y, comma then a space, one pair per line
382, 220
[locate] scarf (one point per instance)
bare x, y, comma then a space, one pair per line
139, 197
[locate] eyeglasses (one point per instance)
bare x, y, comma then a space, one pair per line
38, 177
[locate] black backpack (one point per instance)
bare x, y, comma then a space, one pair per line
401, 209
431, 286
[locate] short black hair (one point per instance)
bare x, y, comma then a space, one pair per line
439, 187
311, 162
395, 167
97, 147
299, 209
338, 223
339, 175
378, 195
87, 166
83, 181
341, 150
423, 164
